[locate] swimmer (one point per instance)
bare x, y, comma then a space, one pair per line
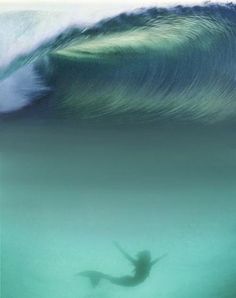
142, 267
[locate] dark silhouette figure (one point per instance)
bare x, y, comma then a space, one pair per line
142, 267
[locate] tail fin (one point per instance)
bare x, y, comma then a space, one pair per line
94, 276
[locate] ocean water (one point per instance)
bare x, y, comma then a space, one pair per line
118, 130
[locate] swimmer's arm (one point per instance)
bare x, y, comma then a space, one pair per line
158, 259
125, 254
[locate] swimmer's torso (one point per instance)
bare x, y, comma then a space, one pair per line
141, 272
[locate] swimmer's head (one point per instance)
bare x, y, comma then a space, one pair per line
144, 255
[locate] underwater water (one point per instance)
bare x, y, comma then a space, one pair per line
121, 130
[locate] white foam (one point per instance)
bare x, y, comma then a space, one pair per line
21, 32
17, 90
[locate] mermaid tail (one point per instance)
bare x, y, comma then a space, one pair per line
94, 276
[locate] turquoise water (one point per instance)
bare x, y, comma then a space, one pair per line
118, 130
70, 190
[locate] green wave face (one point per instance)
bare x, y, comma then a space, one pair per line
169, 66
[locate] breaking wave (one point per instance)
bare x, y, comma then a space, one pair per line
148, 64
